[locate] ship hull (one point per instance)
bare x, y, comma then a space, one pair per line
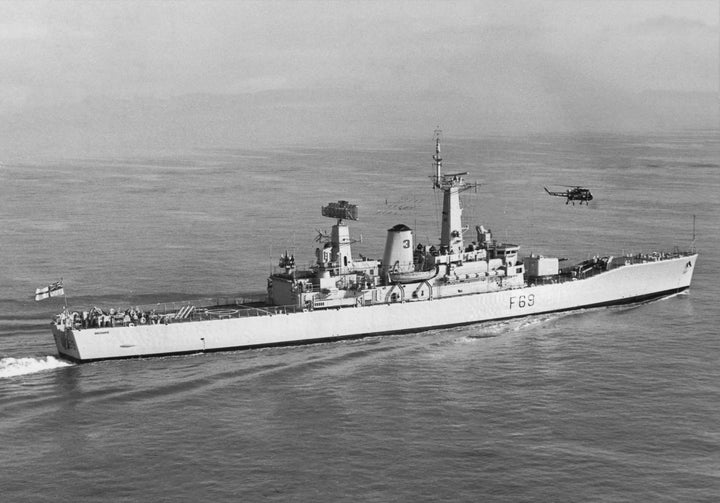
626, 284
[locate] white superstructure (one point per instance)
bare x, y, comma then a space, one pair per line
414, 287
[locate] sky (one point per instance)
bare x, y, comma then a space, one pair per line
480, 65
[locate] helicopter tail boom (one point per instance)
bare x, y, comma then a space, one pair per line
552, 193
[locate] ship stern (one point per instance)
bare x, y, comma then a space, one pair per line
65, 343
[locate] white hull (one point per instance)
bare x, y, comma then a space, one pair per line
626, 284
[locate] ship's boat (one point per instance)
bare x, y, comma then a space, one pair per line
411, 277
414, 287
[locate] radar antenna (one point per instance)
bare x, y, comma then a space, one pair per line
447, 181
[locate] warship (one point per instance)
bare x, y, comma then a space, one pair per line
458, 281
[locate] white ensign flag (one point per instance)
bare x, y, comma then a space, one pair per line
53, 290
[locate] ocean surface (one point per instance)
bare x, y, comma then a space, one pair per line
618, 404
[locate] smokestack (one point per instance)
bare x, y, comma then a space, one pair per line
399, 250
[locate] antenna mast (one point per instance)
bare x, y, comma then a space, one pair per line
438, 160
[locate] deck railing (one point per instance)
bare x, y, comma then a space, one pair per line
214, 308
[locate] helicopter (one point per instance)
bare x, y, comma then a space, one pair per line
573, 193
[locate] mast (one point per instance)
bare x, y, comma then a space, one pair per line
437, 159
451, 184
340, 233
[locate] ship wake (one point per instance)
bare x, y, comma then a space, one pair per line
12, 367
497, 328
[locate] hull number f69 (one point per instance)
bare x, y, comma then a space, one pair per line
522, 301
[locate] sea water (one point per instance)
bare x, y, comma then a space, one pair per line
619, 404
